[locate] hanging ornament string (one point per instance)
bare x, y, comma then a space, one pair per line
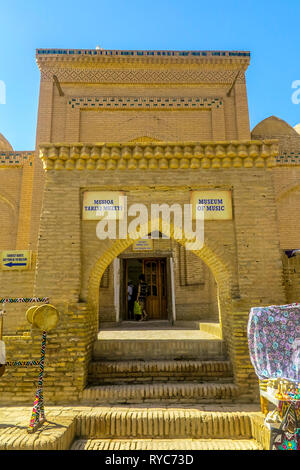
44, 317
22, 363
38, 412
10, 300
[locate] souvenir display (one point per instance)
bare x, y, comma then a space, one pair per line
274, 345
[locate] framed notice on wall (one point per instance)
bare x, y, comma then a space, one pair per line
213, 204
15, 260
143, 244
99, 204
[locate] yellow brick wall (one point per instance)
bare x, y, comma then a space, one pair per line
164, 125
10, 186
228, 122
291, 269
287, 191
58, 122
247, 246
24, 219
287, 195
8, 225
17, 284
43, 133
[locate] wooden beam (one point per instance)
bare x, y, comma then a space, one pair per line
56, 81
233, 83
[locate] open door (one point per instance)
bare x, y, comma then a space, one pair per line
155, 275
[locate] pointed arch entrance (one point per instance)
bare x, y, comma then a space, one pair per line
210, 256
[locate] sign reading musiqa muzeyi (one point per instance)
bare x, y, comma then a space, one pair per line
97, 204
215, 204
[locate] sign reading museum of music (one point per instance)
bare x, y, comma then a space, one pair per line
15, 260
214, 204
97, 204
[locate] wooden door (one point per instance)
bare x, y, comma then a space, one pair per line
155, 275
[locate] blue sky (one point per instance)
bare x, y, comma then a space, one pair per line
269, 29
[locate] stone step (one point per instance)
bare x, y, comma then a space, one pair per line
207, 349
120, 422
163, 392
166, 444
109, 372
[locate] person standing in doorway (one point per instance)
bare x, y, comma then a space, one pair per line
142, 294
130, 300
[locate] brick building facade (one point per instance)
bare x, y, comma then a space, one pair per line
156, 126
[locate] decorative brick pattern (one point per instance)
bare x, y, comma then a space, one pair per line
87, 75
288, 158
128, 102
15, 159
165, 156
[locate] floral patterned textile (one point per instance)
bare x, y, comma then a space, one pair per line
274, 341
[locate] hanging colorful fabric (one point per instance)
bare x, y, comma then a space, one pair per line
274, 341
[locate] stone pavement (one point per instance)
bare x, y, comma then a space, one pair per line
157, 340
152, 333
135, 427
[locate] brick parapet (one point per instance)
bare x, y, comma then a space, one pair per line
162, 155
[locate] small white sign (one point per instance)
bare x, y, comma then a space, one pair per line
15, 260
213, 204
143, 244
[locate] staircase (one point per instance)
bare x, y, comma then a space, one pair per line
150, 387
125, 428
167, 365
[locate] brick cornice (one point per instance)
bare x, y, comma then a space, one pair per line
159, 155
82, 57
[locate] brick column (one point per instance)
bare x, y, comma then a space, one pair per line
58, 271
43, 134
23, 234
242, 112
218, 123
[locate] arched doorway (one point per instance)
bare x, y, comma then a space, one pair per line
219, 269
181, 287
